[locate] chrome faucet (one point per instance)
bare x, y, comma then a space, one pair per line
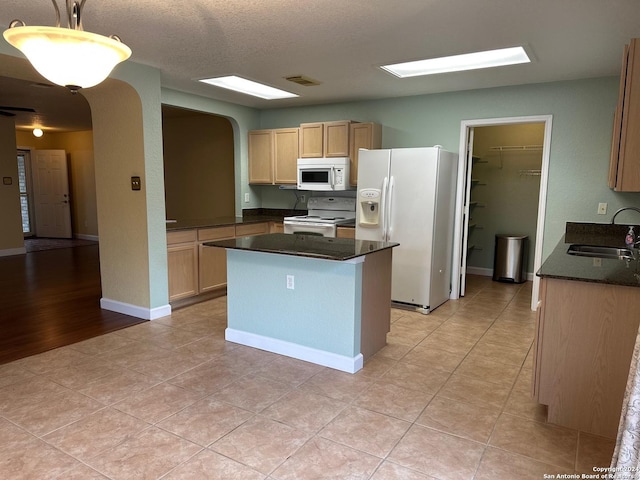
613, 219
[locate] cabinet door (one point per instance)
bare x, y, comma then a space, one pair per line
624, 171
182, 266
286, 155
213, 268
261, 155
276, 227
336, 139
362, 135
311, 140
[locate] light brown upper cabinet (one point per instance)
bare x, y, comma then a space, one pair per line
261, 156
286, 155
363, 135
273, 156
624, 167
324, 139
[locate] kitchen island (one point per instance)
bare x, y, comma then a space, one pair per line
319, 299
585, 332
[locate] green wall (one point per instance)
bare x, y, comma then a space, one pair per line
582, 113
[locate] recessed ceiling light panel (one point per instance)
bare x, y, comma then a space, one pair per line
459, 63
248, 87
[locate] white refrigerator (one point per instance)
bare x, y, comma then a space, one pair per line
407, 195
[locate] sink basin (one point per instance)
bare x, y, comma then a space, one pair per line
601, 252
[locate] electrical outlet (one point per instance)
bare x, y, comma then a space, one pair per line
602, 209
597, 262
303, 198
290, 282
246, 198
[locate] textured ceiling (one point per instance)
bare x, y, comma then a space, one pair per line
342, 43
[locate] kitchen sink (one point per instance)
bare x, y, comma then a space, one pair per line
601, 252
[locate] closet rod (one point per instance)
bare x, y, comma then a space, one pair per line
516, 147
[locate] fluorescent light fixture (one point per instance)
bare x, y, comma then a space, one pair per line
242, 85
459, 63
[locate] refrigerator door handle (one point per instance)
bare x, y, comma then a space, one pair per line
383, 208
390, 206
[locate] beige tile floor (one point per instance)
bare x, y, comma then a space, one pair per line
447, 398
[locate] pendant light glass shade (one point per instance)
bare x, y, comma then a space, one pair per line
69, 57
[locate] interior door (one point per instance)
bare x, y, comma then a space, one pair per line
51, 194
465, 212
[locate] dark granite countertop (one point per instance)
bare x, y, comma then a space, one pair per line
589, 269
218, 222
251, 215
312, 246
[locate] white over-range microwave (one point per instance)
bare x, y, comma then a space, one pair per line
323, 174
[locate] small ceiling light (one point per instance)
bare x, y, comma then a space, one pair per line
458, 63
37, 132
242, 85
68, 56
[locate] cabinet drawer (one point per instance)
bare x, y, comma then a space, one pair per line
216, 233
252, 229
181, 236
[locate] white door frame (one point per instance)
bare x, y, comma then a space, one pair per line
458, 235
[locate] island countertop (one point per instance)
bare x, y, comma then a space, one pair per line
313, 246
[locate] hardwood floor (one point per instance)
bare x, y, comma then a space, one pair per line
52, 298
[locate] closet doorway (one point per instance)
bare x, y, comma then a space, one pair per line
502, 184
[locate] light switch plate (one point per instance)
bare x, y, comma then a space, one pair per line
7, 180
136, 184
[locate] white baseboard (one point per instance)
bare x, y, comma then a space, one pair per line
308, 354
7, 252
134, 310
488, 272
82, 236
485, 272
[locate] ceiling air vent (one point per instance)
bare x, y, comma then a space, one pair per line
302, 80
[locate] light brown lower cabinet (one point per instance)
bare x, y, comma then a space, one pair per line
182, 264
250, 229
194, 268
346, 232
585, 335
212, 261
276, 227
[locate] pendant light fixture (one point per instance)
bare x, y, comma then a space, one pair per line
69, 57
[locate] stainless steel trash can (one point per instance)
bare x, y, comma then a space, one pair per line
510, 258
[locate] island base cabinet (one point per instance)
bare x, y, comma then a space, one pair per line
585, 337
331, 313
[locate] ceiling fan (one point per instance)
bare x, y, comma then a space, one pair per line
7, 111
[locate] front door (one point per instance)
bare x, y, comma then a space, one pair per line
51, 194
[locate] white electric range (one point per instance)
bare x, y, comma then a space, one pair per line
325, 214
